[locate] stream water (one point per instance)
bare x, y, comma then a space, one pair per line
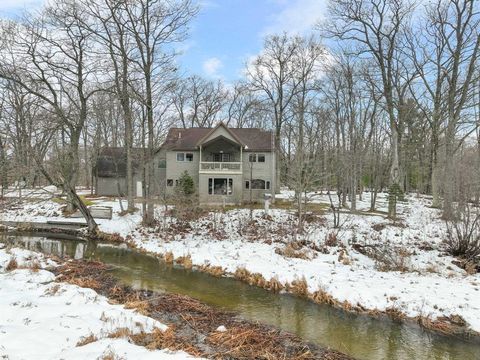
360, 336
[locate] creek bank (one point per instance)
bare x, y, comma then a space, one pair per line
453, 325
195, 327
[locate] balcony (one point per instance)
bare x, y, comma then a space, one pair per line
220, 167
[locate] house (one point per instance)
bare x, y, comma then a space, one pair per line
228, 165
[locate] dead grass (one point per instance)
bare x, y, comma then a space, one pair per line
394, 313
86, 340
275, 285
299, 287
289, 251
192, 324
110, 355
168, 257
241, 274
216, 271
247, 343
157, 339
322, 297
122, 332
184, 261
12, 264
141, 306
115, 238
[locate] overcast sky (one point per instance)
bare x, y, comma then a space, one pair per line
226, 32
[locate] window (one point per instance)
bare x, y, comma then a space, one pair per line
162, 164
221, 157
258, 184
184, 156
169, 182
256, 158
220, 186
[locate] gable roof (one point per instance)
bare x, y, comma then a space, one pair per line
221, 124
253, 139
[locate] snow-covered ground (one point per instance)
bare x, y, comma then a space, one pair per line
429, 284
43, 319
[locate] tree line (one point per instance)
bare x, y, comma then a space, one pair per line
382, 96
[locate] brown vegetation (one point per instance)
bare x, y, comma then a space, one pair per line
168, 257
290, 251
216, 271
298, 287
87, 340
185, 261
192, 324
12, 264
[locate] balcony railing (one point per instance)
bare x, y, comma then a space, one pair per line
212, 167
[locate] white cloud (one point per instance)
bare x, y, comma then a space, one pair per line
296, 16
211, 66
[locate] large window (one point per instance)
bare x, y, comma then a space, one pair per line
220, 186
258, 184
162, 164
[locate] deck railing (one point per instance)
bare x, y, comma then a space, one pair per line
220, 166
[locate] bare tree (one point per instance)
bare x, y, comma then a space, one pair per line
376, 28
198, 101
51, 58
273, 74
447, 57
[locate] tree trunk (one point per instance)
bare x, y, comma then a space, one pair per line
394, 175
92, 226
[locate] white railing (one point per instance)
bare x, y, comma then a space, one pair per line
220, 166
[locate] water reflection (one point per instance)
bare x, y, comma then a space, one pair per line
360, 336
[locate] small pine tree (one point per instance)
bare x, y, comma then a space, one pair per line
185, 185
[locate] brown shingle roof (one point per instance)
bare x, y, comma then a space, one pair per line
186, 139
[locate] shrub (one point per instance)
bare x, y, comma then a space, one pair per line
390, 258
463, 234
331, 239
185, 185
